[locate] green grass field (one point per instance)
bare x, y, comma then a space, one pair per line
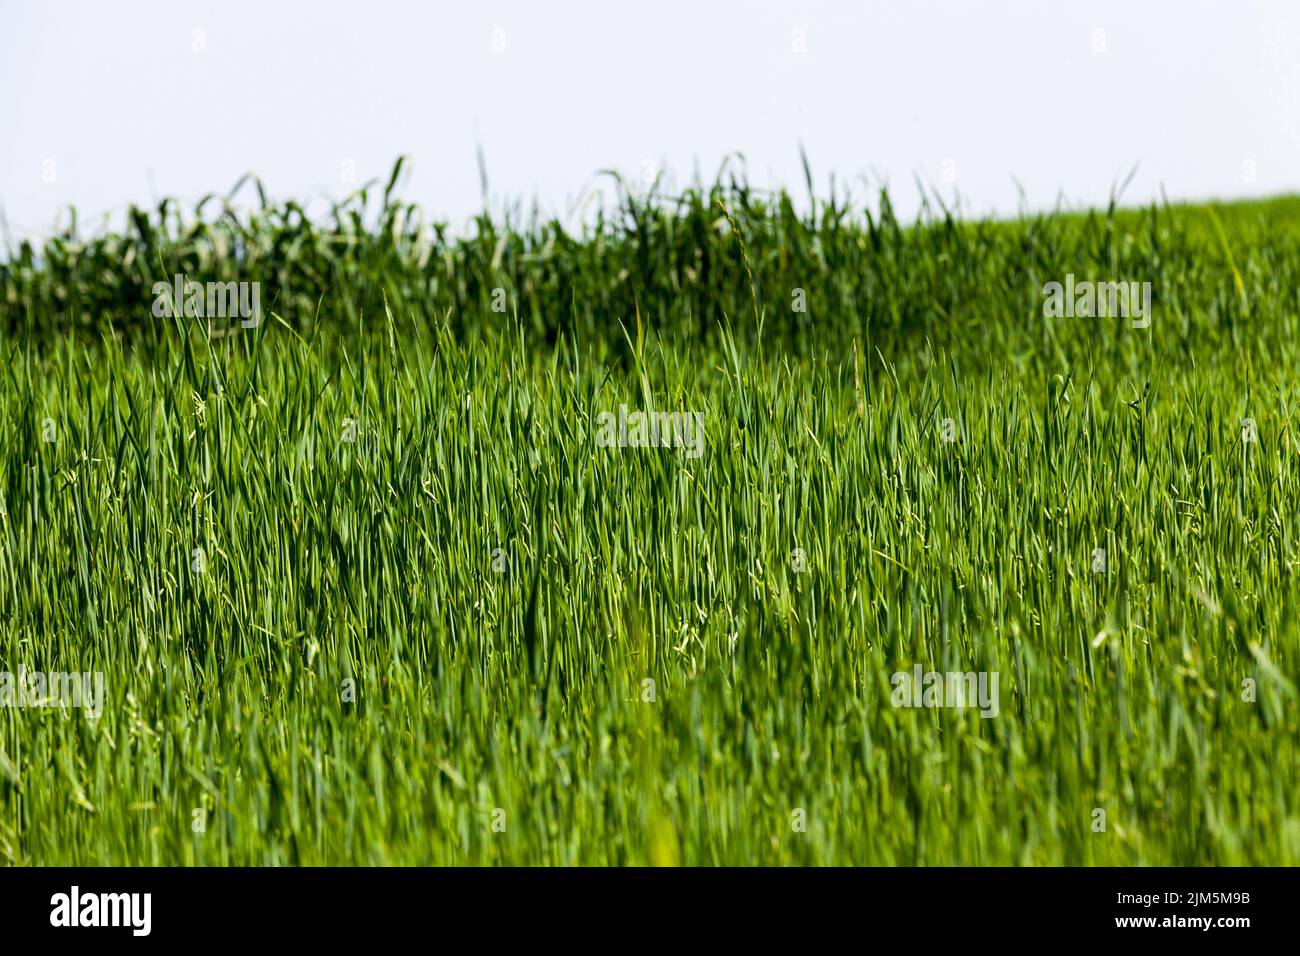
365, 588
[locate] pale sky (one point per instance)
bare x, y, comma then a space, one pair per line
110, 103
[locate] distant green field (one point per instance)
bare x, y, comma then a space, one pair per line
368, 584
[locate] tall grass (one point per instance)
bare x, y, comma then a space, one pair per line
498, 589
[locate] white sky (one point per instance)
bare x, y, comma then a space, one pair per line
113, 102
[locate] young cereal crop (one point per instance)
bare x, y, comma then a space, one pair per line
639, 544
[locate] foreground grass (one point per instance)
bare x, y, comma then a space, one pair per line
431, 644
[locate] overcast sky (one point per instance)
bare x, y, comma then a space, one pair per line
110, 103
